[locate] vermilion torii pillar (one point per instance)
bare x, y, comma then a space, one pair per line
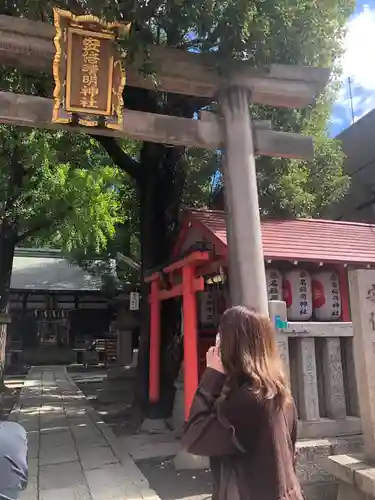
185, 269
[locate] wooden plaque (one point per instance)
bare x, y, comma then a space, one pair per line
88, 71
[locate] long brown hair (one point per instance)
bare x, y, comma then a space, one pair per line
249, 353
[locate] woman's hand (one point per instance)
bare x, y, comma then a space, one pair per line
213, 359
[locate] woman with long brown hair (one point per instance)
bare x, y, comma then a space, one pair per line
243, 416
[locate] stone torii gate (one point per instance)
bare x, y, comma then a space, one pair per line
29, 45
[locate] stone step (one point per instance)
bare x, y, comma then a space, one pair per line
311, 465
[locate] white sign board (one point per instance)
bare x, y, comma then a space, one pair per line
134, 301
362, 301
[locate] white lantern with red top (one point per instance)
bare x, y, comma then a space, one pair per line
274, 284
298, 295
326, 296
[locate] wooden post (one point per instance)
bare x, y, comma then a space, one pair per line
190, 337
247, 275
344, 292
154, 370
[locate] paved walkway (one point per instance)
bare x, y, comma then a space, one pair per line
73, 454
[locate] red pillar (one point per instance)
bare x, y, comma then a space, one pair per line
344, 291
190, 337
154, 370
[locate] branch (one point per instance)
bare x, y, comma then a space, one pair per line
45, 223
118, 156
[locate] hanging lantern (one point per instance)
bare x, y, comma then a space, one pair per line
274, 284
326, 296
297, 294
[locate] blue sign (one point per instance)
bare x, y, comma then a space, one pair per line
280, 324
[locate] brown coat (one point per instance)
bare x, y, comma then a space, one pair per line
250, 442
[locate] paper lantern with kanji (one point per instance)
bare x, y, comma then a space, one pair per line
298, 295
326, 296
274, 284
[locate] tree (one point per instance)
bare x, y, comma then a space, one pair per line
272, 31
294, 188
45, 196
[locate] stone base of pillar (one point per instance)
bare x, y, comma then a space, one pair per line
186, 461
118, 386
154, 426
121, 372
355, 475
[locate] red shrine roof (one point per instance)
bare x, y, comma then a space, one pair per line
313, 240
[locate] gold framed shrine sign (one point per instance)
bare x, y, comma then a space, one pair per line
88, 70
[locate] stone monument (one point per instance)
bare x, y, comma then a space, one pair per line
356, 473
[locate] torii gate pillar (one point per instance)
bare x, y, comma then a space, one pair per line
246, 262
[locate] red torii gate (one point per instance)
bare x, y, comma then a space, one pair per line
185, 279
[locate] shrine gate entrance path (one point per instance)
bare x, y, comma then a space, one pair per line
73, 454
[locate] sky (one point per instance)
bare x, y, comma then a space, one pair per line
358, 66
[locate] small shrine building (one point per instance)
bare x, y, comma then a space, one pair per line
306, 266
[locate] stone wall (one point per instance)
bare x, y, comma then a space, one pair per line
319, 364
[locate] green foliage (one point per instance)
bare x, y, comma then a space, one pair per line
62, 190
301, 188
202, 168
307, 32
107, 261
49, 196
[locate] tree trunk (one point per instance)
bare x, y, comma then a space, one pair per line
160, 193
7, 246
160, 178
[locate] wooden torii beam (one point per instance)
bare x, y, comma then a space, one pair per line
32, 111
29, 45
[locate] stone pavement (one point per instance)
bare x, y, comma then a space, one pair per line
73, 454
